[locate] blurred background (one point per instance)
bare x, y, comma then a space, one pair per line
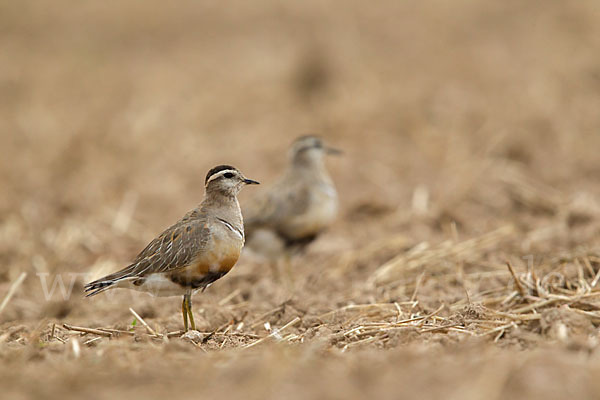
455, 118
103, 98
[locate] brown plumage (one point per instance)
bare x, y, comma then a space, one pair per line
194, 252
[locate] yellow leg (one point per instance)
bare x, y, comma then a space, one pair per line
184, 311
189, 310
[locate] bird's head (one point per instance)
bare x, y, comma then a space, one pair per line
310, 150
227, 180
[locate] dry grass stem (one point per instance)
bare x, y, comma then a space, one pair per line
148, 328
87, 330
516, 280
275, 332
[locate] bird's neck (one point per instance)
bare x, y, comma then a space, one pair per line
309, 161
223, 206
314, 169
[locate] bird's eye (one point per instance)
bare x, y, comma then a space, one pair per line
228, 175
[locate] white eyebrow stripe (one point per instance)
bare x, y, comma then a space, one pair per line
219, 174
232, 228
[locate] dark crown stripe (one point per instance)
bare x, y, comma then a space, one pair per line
216, 170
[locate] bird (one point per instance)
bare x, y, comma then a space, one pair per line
300, 205
190, 255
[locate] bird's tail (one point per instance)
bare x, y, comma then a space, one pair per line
107, 282
93, 288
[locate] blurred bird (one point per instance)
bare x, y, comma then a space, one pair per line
193, 253
299, 206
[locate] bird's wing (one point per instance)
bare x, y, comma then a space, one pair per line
174, 248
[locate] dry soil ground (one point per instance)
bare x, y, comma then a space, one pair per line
471, 132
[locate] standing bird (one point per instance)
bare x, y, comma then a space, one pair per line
194, 252
299, 206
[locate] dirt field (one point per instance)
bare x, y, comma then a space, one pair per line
471, 134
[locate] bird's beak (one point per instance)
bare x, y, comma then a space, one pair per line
251, 182
333, 151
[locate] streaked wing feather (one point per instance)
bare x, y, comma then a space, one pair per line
175, 248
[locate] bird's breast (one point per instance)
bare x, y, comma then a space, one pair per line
223, 249
217, 260
223, 255
320, 213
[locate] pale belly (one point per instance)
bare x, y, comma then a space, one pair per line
159, 285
